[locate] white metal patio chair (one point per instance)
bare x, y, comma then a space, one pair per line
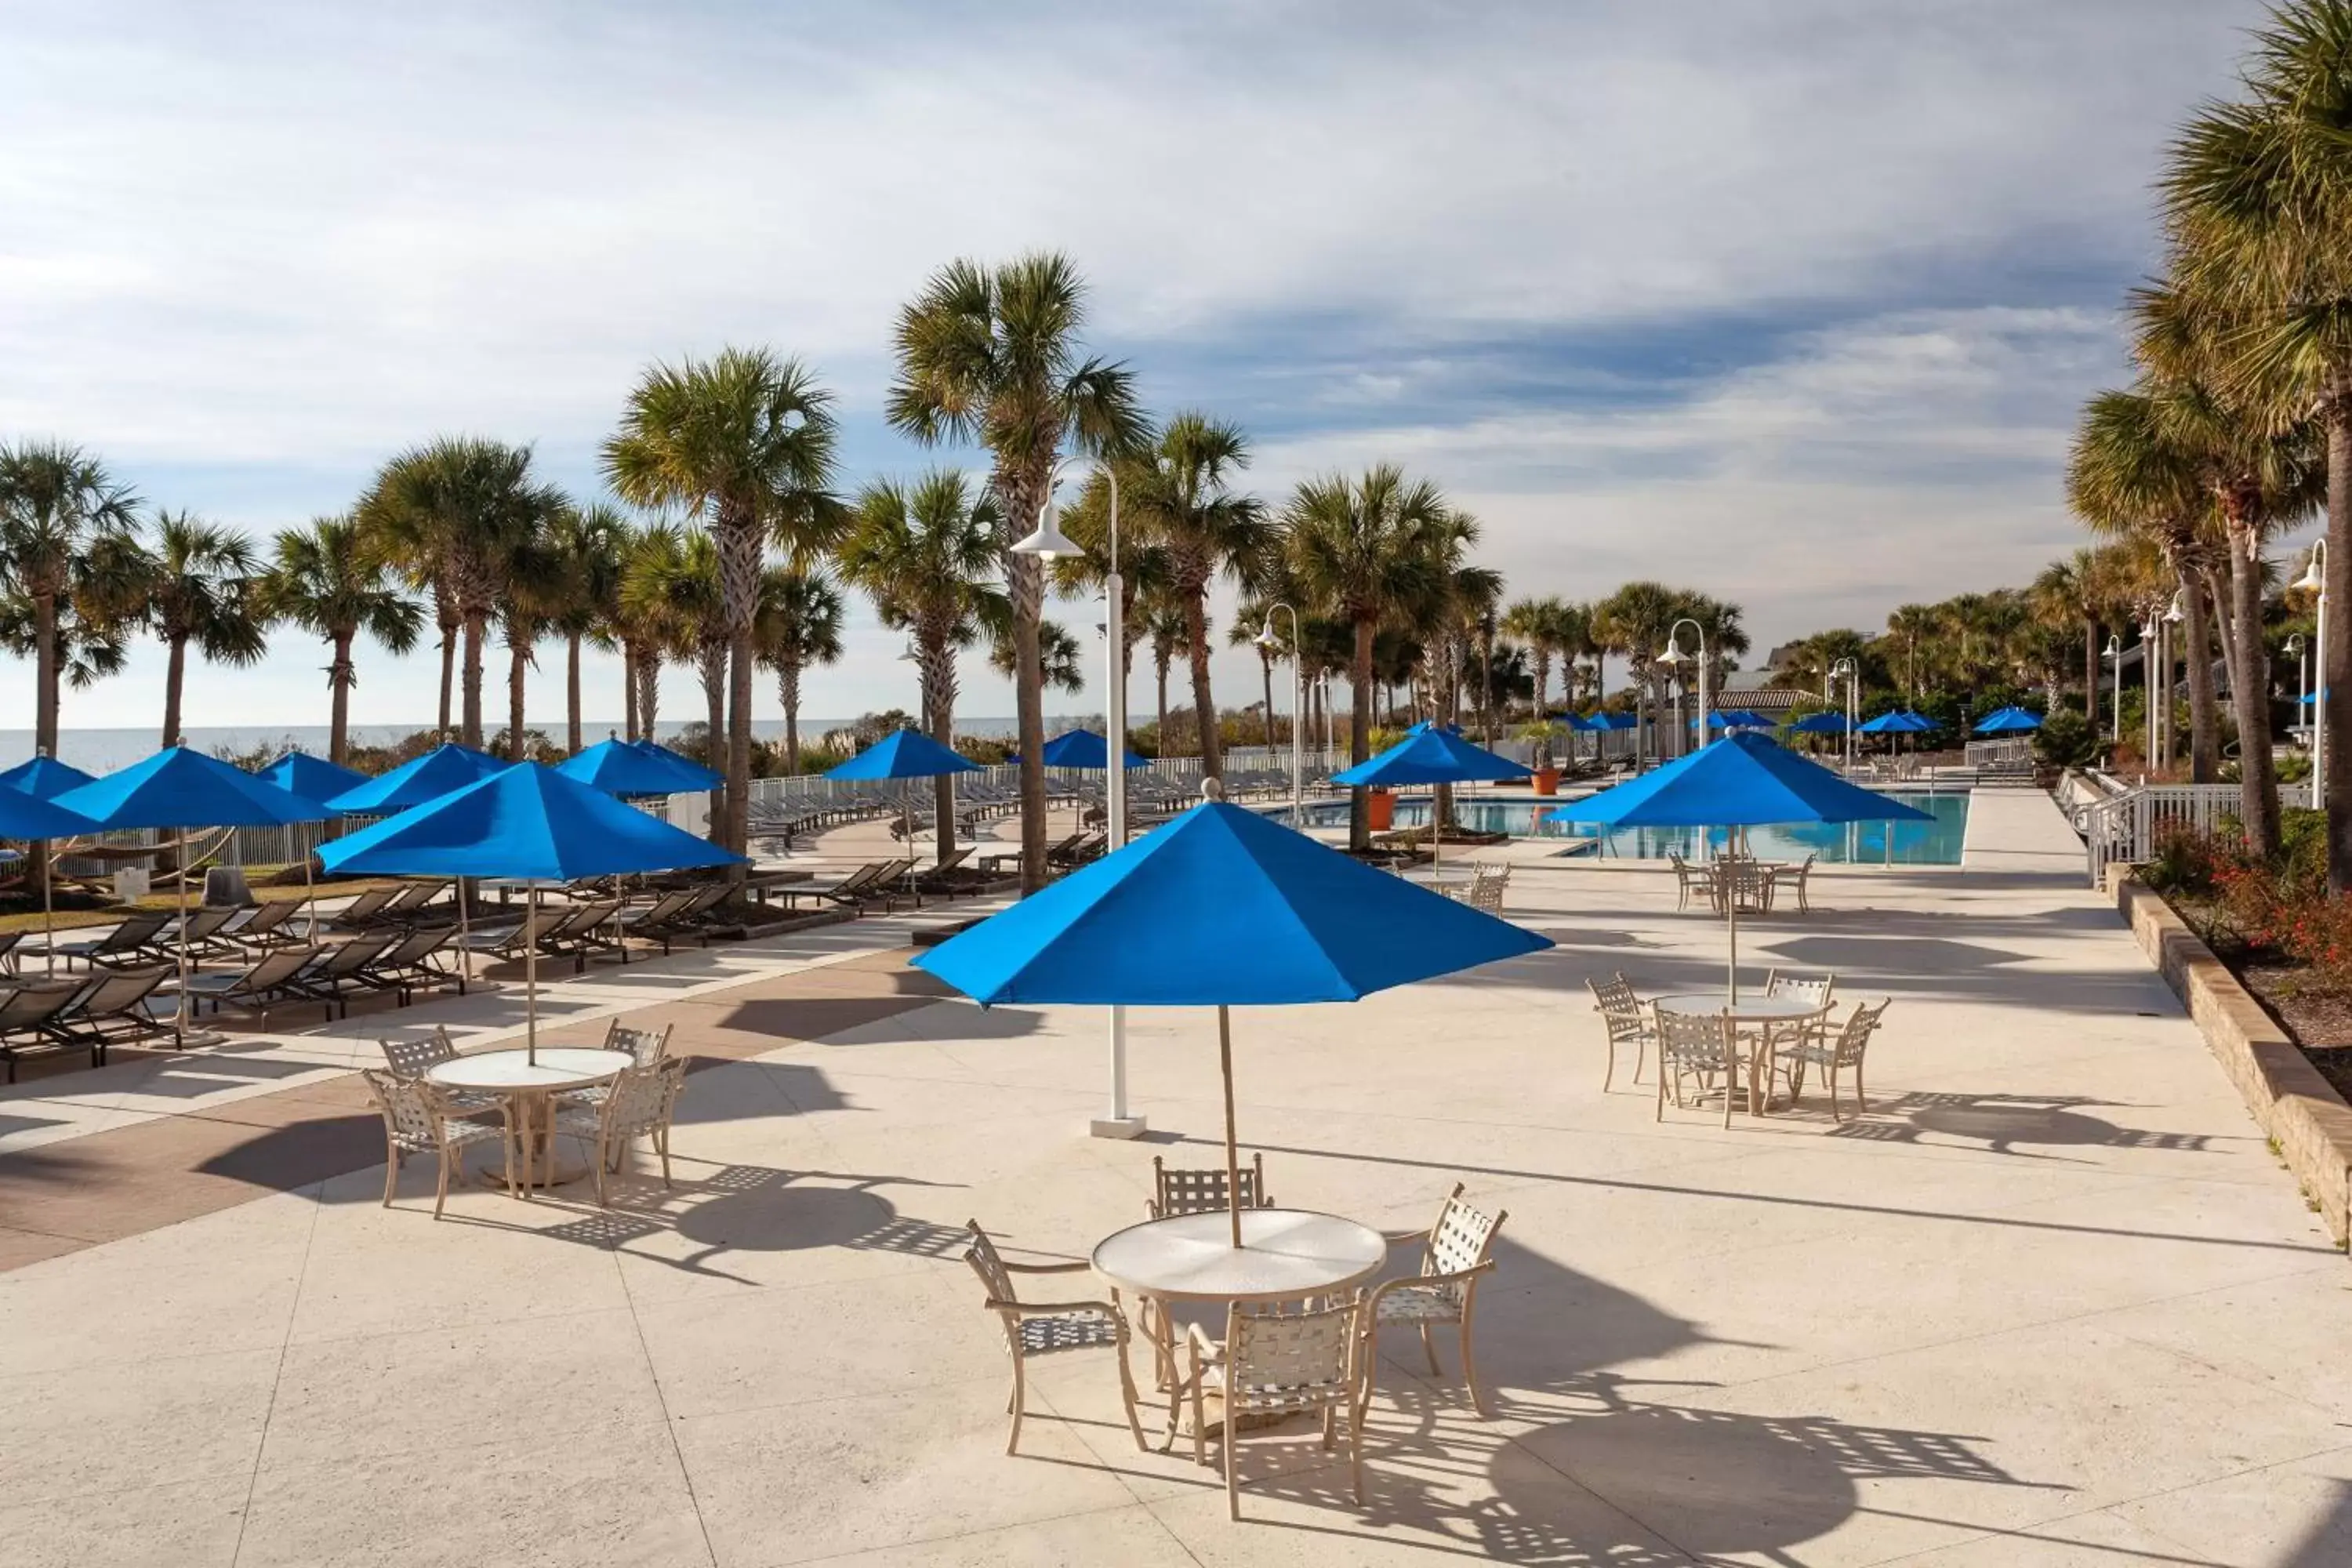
1455, 1255
417, 1120
1048, 1327
1700, 1049
1627, 1021
1274, 1363
1834, 1049
638, 1103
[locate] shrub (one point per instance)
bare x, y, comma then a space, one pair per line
2065, 740
2183, 862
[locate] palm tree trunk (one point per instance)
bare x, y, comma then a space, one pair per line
44, 673
1160, 661
475, 631
339, 681
629, 691
571, 694
2335, 730
2258, 804
649, 665
788, 690
936, 664
175, 675
714, 697
518, 666
2204, 723
1022, 493
1359, 738
740, 546
1204, 706
2091, 672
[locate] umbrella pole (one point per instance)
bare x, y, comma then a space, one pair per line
180, 1023
531, 979
48, 917
1731, 902
1232, 1152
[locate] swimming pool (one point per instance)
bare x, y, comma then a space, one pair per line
1936, 843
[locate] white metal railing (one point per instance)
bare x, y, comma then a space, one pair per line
2120, 824
2011, 752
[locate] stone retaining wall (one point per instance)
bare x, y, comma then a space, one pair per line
2306, 1120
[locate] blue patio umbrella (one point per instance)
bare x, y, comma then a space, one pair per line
1900, 722
1081, 748
1220, 908
527, 822
1820, 724
45, 777
179, 789
1741, 781
685, 766
1579, 722
1430, 754
312, 778
627, 768
28, 815
1615, 721
907, 754
445, 767
2008, 722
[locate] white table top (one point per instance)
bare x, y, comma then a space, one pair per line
1283, 1253
558, 1067
1759, 1006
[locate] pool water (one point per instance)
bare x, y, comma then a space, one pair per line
1936, 843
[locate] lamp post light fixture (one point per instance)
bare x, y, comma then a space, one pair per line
2114, 654
1047, 544
1267, 639
2314, 580
2168, 652
1844, 669
1672, 656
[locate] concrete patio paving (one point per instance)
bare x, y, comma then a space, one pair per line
2051, 1300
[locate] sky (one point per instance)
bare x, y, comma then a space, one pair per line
1791, 301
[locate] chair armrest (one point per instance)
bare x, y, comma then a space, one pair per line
1054, 1309
1011, 1268
1199, 1341
1461, 1276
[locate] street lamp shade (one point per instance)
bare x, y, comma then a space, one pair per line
2173, 614
1049, 542
1671, 656
2310, 582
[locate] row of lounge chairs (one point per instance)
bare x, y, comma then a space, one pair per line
79, 1012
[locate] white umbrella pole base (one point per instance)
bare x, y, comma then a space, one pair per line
194, 1038
1117, 1127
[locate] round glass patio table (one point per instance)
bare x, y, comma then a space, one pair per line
1760, 1010
529, 1087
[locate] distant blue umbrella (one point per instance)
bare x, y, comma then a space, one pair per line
29, 817
45, 777
1741, 781
685, 766
1820, 724
180, 789
312, 778
627, 768
1220, 908
2008, 722
446, 767
1615, 721
527, 822
1430, 755
1579, 722
910, 754
1081, 748
1901, 721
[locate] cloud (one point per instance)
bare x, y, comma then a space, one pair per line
1578, 261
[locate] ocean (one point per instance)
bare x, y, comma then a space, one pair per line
103, 751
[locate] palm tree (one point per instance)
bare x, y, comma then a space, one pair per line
586, 545
194, 583
1367, 551
325, 580
57, 503
745, 442
991, 356
2258, 200
1179, 495
534, 587
799, 625
1542, 624
1059, 657
1147, 568
928, 556
639, 626
1632, 623
1162, 622
673, 590
455, 509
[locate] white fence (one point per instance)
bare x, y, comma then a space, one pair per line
2120, 824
